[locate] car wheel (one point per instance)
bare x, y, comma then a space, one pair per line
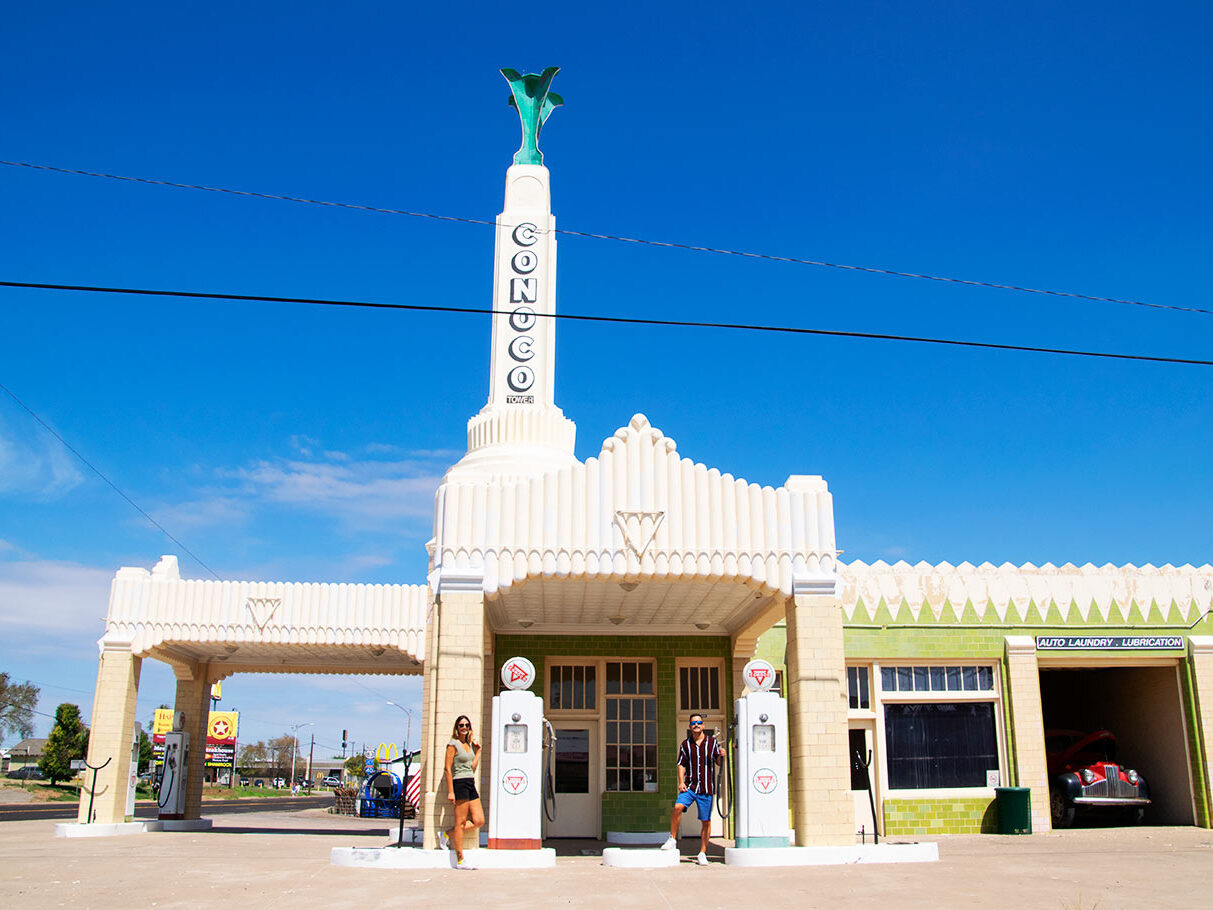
1060, 810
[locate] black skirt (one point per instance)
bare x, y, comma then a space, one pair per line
465, 788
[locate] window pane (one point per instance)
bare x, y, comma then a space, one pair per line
629, 679
591, 687
888, 679
905, 679
612, 756
612, 708
865, 697
853, 687
940, 745
645, 678
612, 732
625, 756
921, 682
650, 756
637, 780
566, 689
612, 678
985, 678
573, 761
650, 709
684, 688
612, 781
970, 678
625, 708
938, 680
954, 684
714, 688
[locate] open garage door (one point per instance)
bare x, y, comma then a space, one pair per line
1142, 707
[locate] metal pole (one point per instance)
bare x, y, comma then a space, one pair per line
310, 752
294, 749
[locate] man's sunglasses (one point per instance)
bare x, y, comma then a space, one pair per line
696, 723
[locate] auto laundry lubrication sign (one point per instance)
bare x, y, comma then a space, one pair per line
1109, 643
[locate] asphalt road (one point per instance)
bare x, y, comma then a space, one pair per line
147, 808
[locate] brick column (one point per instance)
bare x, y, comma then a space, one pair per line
194, 698
1200, 656
453, 685
113, 724
1027, 718
817, 712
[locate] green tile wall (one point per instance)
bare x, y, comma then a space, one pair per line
629, 811
968, 815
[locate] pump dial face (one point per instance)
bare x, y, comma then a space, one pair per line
763, 738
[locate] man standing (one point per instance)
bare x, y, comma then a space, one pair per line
697, 757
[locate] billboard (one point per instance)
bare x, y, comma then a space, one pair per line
221, 730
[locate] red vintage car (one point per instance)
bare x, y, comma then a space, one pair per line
1084, 777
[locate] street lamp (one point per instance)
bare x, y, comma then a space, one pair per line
408, 730
295, 748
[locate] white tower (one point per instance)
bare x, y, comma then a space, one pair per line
520, 430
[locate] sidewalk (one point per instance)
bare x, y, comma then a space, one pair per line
258, 858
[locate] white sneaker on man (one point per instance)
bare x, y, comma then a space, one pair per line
670, 844
702, 859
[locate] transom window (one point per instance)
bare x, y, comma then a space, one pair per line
572, 687
631, 726
937, 679
699, 688
858, 693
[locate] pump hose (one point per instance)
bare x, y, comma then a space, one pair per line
165, 785
723, 794
549, 772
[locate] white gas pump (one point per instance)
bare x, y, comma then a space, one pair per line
519, 782
760, 797
176, 762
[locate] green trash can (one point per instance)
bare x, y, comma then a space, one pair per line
1014, 810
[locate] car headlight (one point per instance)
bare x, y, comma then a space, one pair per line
1087, 775
1133, 776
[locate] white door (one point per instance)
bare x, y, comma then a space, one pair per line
862, 759
577, 776
690, 817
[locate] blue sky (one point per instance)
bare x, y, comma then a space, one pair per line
1028, 144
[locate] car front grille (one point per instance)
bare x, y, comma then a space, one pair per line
1111, 786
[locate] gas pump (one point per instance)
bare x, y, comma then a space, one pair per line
761, 792
523, 751
171, 798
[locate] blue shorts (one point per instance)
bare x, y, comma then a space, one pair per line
702, 800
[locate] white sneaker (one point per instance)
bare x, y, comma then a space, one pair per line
444, 840
702, 859
670, 844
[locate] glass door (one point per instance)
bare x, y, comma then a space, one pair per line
577, 780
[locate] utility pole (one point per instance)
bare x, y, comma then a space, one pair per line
310, 752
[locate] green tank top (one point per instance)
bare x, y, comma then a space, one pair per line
461, 765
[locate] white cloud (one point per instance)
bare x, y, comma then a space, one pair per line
53, 597
36, 464
203, 512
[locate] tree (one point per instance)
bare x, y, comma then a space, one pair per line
253, 757
68, 741
355, 766
281, 750
17, 701
146, 753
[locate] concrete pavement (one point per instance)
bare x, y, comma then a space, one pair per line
252, 860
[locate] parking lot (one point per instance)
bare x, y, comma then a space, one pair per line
259, 857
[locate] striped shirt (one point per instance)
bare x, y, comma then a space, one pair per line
697, 759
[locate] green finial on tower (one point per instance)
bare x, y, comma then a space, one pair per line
530, 95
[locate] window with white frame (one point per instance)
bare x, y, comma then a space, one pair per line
940, 725
859, 696
699, 688
631, 726
572, 687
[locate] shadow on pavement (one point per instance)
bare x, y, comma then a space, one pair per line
339, 832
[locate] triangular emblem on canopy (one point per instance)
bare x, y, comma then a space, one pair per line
263, 610
639, 529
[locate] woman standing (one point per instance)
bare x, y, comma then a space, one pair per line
462, 760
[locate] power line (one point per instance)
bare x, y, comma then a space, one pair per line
88, 464
894, 273
625, 320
